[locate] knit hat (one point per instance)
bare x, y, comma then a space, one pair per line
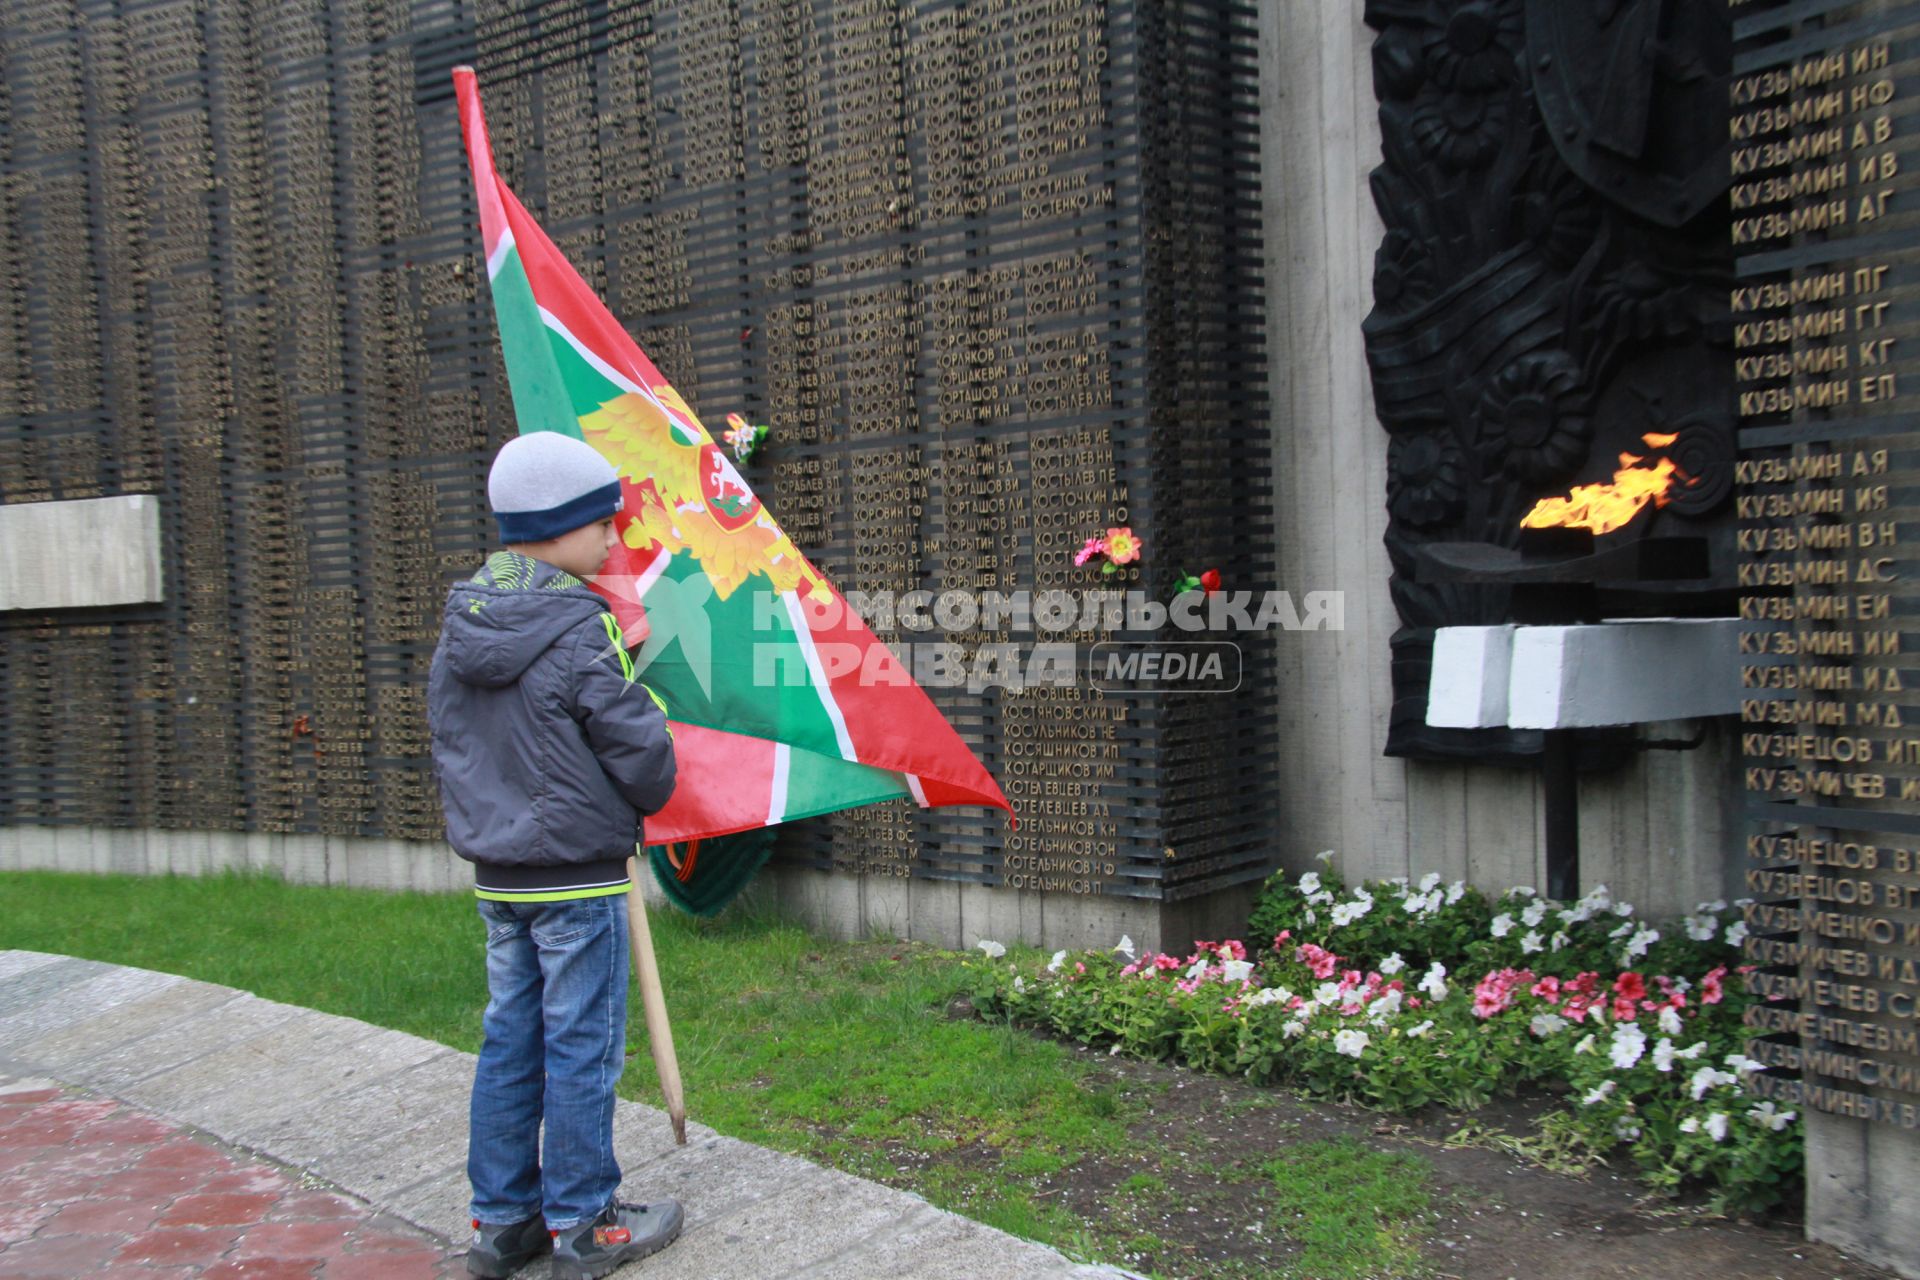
544, 484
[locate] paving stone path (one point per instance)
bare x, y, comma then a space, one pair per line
300, 1097
91, 1186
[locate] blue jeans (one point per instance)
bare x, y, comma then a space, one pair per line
555, 1044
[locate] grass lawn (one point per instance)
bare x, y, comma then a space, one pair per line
846, 1053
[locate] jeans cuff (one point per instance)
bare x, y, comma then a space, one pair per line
486, 1221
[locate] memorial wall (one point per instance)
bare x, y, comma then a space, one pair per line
989, 269
1824, 315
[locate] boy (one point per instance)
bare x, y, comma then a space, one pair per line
548, 754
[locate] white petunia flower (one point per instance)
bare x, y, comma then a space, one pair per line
1663, 1055
1434, 984
1198, 969
1019, 984
1392, 965
1534, 914
1690, 1125
1429, 882
1718, 904
1692, 1051
1623, 909
1622, 931
1637, 945
1421, 1031
993, 949
1629, 1043
1702, 928
1311, 918
1545, 1024
1670, 1021
1125, 947
1310, 883
1709, 1078
1736, 933
1456, 891
1385, 1007
1774, 1119
1586, 1044
1502, 925
1324, 857
1351, 1043
1236, 970
1532, 943
1270, 995
1599, 1093
1559, 940
1523, 891
1297, 1027
1328, 993
1741, 1062
1059, 958
1717, 1126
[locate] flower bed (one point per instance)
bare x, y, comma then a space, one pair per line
1402, 995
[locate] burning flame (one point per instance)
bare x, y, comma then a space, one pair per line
1606, 507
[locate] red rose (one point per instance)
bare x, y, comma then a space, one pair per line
1210, 581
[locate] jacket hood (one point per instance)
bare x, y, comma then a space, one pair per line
496, 623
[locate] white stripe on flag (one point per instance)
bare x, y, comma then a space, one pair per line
803, 635
913, 785
693, 430
777, 793
498, 257
607, 371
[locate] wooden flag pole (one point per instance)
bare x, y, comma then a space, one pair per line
654, 1001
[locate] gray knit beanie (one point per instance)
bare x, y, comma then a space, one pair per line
544, 484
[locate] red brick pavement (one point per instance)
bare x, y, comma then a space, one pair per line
89, 1186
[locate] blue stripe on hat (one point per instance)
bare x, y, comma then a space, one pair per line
538, 526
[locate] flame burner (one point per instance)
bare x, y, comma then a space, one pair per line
1562, 576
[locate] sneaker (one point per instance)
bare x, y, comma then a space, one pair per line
499, 1251
622, 1233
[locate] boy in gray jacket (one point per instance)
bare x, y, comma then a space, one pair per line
548, 755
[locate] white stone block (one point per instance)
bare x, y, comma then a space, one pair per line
1468, 685
1628, 672
81, 554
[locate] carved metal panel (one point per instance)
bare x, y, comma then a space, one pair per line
1550, 289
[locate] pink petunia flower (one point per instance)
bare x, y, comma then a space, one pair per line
1317, 958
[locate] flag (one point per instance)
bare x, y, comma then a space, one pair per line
782, 703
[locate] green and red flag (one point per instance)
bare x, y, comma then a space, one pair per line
782, 702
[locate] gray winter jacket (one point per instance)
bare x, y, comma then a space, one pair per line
547, 750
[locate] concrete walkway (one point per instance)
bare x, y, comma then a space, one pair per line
382, 1115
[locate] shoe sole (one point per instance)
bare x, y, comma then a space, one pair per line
566, 1269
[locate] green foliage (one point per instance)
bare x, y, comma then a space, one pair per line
1364, 995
